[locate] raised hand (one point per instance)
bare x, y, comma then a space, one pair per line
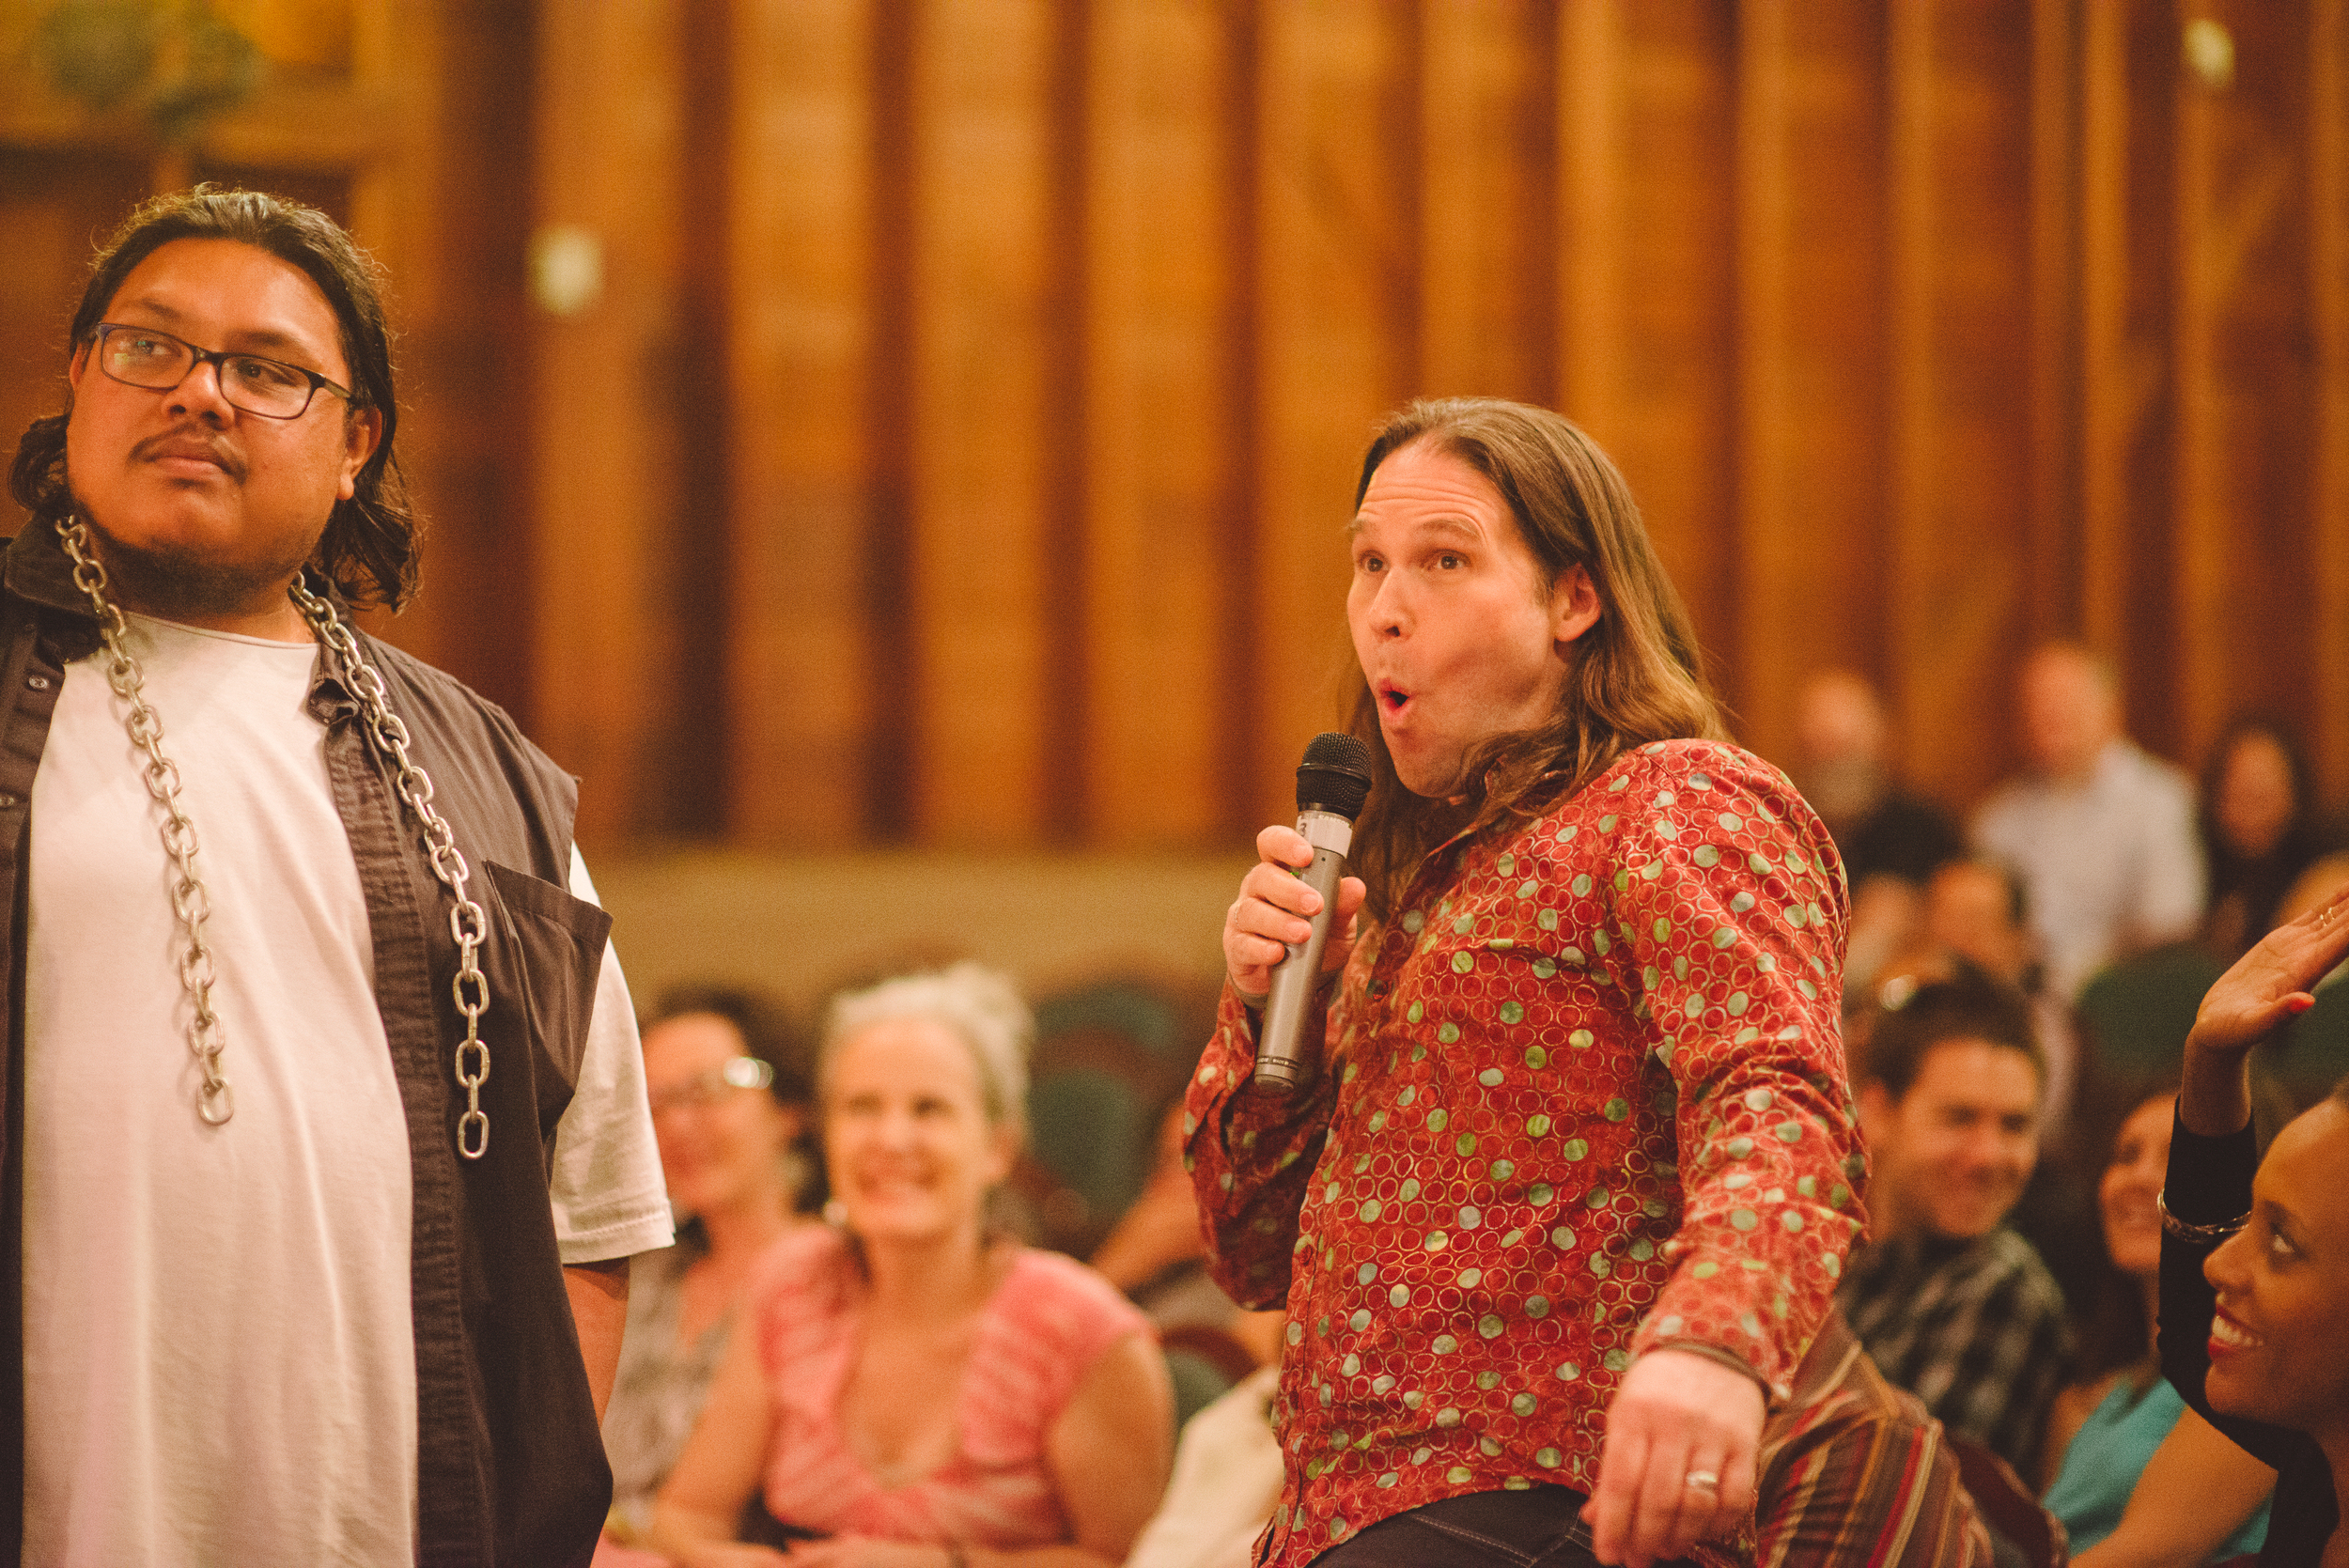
2273, 981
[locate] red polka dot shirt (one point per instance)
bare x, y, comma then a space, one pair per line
1585, 1096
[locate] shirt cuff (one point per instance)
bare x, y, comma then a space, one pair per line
1711, 1352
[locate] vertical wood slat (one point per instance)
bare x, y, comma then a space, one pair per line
438, 211
1588, 115
1647, 285
1160, 287
2106, 388
800, 217
2201, 585
2053, 562
605, 428
984, 371
1487, 206
1336, 270
2246, 404
1809, 358
2327, 282
1957, 523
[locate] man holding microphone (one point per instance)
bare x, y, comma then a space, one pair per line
1571, 1188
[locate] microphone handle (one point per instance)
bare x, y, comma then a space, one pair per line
1284, 1057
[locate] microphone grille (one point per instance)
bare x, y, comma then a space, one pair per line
1336, 775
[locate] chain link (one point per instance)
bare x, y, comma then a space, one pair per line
466, 922
189, 902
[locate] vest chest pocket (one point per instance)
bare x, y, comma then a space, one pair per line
542, 973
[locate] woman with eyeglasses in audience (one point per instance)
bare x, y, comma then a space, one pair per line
2255, 1252
915, 1388
2121, 1433
730, 1109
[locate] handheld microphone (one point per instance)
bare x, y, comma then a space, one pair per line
1332, 782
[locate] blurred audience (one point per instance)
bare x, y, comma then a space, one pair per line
913, 1387
2117, 1412
2259, 829
1226, 1483
2102, 833
730, 1103
1978, 911
1891, 837
1953, 1305
2255, 1251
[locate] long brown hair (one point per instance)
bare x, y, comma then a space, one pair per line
1637, 675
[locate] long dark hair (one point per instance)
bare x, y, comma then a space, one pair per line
2257, 885
368, 549
1638, 675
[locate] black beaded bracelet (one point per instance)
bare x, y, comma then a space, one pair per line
2187, 1230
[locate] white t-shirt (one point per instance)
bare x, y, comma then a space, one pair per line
219, 1356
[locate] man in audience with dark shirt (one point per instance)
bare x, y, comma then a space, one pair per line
1953, 1305
1891, 838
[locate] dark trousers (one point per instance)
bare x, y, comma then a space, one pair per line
1539, 1527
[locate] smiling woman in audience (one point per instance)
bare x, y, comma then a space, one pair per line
2122, 1421
2255, 1253
913, 1389
730, 1102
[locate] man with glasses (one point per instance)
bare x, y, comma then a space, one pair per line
326, 1143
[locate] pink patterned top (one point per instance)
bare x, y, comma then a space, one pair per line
1037, 1336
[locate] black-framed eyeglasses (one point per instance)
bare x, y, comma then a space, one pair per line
157, 362
739, 1072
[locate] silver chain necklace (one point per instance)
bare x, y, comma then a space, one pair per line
191, 903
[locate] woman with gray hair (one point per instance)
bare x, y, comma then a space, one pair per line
912, 1389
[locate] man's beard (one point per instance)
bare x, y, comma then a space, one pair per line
173, 583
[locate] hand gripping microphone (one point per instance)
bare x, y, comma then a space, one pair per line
1332, 782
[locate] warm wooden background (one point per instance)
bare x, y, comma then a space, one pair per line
957, 452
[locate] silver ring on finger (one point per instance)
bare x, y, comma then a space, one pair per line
1703, 1480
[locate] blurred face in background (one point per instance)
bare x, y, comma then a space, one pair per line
2140, 1159
721, 1145
2070, 711
2280, 1339
906, 1138
1952, 1154
2255, 802
1970, 911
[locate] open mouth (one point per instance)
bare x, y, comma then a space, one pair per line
1393, 699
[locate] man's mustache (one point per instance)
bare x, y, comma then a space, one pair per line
189, 442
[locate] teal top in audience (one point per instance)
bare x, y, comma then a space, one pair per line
2112, 1450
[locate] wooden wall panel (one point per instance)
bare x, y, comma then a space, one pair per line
1338, 278
1957, 528
1647, 283
960, 450
802, 212
1487, 203
1811, 226
608, 455
2327, 284
1162, 283
2247, 394
981, 305
2129, 51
